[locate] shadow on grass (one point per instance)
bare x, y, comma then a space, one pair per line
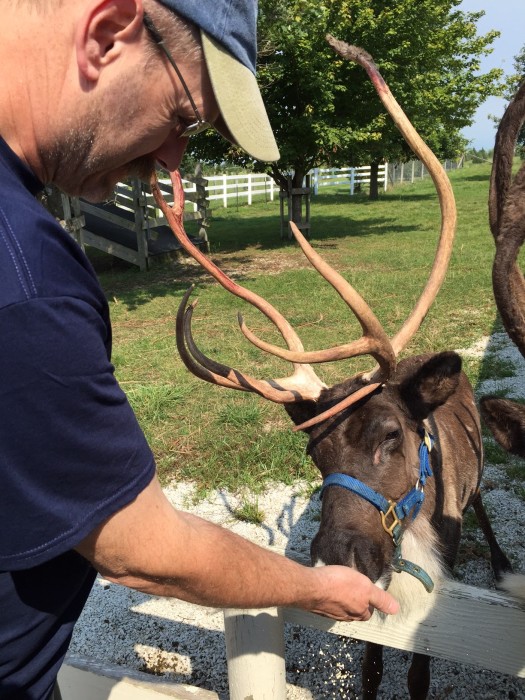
265, 235
475, 178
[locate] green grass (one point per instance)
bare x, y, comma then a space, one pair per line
223, 438
249, 512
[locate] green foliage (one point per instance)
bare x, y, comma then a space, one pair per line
324, 110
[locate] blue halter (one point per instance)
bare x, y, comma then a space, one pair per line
392, 514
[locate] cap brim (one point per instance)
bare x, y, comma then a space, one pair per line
240, 102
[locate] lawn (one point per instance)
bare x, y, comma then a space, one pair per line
223, 438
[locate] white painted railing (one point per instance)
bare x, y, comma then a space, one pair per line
244, 187
351, 177
459, 623
240, 187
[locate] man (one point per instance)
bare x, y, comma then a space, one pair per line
94, 91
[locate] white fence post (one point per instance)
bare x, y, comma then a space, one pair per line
352, 180
225, 191
255, 654
315, 181
250, 188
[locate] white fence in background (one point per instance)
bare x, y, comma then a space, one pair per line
351, 177
244, 187
239, 188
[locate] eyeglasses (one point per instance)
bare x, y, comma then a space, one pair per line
200, 125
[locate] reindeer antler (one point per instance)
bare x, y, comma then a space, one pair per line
441, 182
304, 384
507, 222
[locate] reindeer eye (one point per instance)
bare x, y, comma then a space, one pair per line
393, 435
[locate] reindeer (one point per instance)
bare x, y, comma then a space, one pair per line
504, 417
399, 448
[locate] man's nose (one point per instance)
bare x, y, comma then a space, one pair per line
169, 154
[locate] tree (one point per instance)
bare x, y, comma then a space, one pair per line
429, 54
513, 82
323, 109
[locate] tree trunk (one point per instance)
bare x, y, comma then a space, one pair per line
374, 178
297, 198
295, 202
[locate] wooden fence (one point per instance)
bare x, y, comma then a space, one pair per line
353, 178
129, 226
245, 187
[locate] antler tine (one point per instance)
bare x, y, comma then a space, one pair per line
507, 222
299, 387
443, 187
215, 375
374, 342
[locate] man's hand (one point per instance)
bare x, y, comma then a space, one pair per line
350, 595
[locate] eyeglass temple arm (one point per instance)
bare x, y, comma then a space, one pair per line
157, 38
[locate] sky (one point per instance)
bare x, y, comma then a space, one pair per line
508, 17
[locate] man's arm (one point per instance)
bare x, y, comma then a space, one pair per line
152, 547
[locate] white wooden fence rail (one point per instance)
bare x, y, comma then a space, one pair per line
242, 188
350, 177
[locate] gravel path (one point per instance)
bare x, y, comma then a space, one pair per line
185, 643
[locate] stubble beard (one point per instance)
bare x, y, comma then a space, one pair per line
84, 167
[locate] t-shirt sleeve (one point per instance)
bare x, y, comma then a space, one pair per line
71, 450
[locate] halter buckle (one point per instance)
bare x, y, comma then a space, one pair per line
391, 513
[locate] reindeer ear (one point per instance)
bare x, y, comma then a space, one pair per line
432, 384
506, 420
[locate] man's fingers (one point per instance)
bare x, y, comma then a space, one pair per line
383, 601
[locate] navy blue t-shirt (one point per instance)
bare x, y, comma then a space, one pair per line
71, 450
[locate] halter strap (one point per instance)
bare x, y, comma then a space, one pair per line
392, 514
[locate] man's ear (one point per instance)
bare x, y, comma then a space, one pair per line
103, 31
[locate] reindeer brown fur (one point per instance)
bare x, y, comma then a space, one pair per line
370, 427
506, 418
